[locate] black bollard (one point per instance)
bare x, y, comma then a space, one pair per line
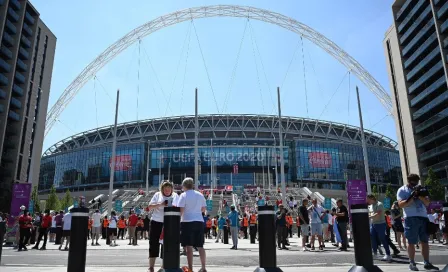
266, 240
2, 236
171, 240
226, 235
361, 237
78, 240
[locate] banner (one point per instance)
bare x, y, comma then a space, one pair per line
327, 203
229, 188
386, 203
209, 203
319, 159
20, 196
356, 192
122, 162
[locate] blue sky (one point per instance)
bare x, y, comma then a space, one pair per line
85, 28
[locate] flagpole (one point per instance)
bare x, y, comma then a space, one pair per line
196, 154
282, 159
364, 146
112, 163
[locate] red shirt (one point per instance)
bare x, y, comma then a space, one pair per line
25, 222
46, 221
133, 220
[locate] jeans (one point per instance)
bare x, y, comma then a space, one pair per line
220, 235
42, 232
282, 233
379, 230
25, 234
234, 232
342, 229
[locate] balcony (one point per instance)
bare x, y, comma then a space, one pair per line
442, 10
21, 65
29, 18
27, 29
16, 103
8, 40
10, 27
436, 167
434, 103
15, 4
431, 40
2, 108
3, 80
433, 136
23, 53
2, 2
434, 152
4, 66
416, 39
419, 67
424, 16
436, 68
25, 41
2, 94
428, 91
432, 121
17, 90
6, 52
444, 26
19, 77
14, 115
403, 8
411, 14
13, 15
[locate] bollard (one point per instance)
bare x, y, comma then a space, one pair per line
78, 240
445, 215
361, 237
266, 240
171, 240
2, 236
226, 235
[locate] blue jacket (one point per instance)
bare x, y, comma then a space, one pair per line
221, 222
234, 219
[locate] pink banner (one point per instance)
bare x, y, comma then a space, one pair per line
319, 159
122, 162
20, 197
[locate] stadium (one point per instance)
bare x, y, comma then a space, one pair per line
234, 150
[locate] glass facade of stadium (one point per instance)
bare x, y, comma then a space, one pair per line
319, 162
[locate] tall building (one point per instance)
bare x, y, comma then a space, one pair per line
26, 64
416, 52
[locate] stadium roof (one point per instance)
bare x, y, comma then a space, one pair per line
219, 126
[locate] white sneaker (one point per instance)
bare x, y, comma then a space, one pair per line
387, 258
304, 249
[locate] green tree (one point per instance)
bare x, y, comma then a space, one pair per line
435, 187
52, 200
391, 193
375, 191
67, 200
35, 199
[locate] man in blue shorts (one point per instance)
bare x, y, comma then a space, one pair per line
415, 218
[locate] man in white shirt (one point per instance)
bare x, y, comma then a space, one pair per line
66, 227
96, 227
316, 213
192, 204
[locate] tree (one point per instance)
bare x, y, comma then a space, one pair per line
375, 191
67, 200
435, 187
35, 199
391, 193
52, 200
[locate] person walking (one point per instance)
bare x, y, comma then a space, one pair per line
304, 221
146, 224
164, 198
58, 221
25, 225
67, 225
281, 227
220, 234
378, 227
234, 226
342, 221
397, 225
245, 225
316, 213
44, 229
192, 204
132, 223
112, 229
415, 218
253, 227
96, 227
121, 227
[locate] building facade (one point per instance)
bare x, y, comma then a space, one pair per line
237, 149
26, 63
416, 53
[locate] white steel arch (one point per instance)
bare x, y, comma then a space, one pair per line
215, 11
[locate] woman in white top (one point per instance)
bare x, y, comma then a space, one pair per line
112, 229
164, 198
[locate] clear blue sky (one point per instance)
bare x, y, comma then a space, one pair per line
85, 28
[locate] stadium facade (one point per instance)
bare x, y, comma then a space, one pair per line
242, 149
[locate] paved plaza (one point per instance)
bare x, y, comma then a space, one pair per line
219, 258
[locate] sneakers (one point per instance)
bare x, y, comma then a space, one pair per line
304, 249
429, 266
413, 267
387, 258
396, 253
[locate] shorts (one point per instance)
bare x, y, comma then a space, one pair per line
316, 229
96, 230
192, 234
398, 227
415, 229
305, 230
112, 231
52, 230
66, 233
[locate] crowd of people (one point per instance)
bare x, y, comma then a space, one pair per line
408, 219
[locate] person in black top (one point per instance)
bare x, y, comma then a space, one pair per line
146, 223
397, 225
282, 232
342, 219
304, 221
